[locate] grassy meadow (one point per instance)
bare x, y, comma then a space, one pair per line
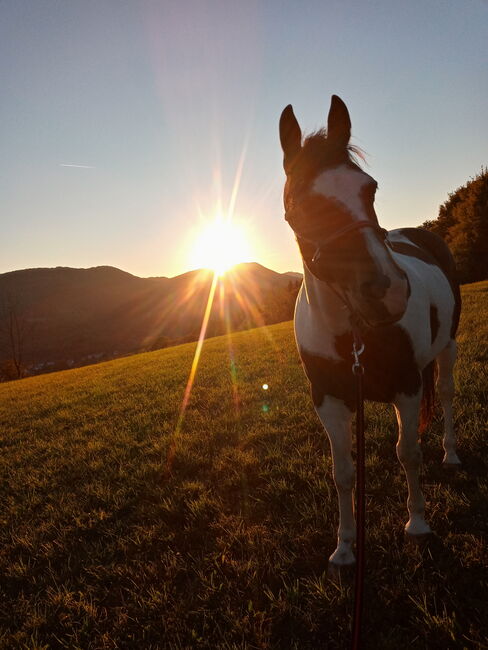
120, 529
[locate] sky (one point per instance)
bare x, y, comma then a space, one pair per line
126, 124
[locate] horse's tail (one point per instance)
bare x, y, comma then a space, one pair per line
427, 406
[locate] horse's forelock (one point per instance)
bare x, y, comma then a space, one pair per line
318, 153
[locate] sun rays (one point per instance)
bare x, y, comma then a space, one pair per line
198, 351
233, 303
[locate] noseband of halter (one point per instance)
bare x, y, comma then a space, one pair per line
356, 225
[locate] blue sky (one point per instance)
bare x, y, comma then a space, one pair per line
162, 103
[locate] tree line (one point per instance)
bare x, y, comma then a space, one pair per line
463, 224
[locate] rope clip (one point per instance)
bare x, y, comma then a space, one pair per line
357, 366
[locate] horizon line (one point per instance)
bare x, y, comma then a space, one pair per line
144, 277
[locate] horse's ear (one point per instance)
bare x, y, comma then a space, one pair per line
338, 122
290, 137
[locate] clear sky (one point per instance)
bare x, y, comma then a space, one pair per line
164, 104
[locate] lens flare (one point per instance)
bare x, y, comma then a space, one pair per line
196, 357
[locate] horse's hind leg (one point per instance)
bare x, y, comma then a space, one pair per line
410, 456
445, 388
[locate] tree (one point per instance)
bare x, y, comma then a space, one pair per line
463, 224
13, 331
8, 370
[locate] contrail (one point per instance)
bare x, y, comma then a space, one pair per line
78, 166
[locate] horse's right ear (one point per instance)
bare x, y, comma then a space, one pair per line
290, 137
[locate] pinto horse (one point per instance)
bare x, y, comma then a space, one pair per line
396, 289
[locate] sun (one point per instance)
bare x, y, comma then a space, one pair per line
221, 244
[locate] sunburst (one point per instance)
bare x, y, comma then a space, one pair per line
221, 244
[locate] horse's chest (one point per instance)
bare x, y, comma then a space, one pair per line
389, 367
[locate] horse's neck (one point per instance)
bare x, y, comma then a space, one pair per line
325, 305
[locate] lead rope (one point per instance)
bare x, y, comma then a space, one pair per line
358, 372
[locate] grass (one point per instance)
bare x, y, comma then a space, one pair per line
118, 532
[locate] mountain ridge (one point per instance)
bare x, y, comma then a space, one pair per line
109, 267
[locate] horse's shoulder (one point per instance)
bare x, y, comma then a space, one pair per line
432, 249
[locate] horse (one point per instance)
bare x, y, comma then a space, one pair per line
395, 289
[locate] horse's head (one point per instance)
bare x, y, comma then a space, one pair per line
329, 203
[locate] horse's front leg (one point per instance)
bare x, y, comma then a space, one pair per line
410, 456
336, 418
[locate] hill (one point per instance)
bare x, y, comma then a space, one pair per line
122, 529
71, 317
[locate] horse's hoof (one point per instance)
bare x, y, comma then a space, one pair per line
341, 573
417, 526
452, 467
451, 460
429, 546
343, 554
419, 539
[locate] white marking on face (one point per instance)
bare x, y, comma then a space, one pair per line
344, 184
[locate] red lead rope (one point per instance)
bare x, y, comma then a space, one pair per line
358, 371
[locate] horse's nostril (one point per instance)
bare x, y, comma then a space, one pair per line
376, 289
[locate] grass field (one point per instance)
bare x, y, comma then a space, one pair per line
119, 531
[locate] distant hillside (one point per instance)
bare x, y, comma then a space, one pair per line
62, 317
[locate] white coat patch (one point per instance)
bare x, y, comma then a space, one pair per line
344, 185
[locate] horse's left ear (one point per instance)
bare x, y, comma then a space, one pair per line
338, 122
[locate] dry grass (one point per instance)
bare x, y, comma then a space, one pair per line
118, 533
